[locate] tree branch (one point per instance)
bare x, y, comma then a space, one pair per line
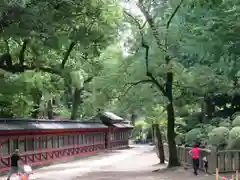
173, 14
149, 74
11, 15
168, 25
159, 86
151, 23
134, 84
89, 79
48, 70
7, 46
67, 54
146, 46
140, 27
22, 53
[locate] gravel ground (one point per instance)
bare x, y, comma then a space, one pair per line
139, 163
141, 167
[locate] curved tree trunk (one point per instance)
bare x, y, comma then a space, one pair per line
159, 144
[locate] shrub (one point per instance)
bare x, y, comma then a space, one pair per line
193, 136
180, 139
192, 120
234, 138
215, 121
218, 137
226, 123
236, 114
208, 128
236, 122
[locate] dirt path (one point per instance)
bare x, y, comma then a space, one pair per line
141, 167
136, 163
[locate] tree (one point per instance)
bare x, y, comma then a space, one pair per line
167, 90
156, 118
39, 45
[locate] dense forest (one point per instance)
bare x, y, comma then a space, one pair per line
170, 66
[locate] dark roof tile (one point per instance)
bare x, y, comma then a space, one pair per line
21, 124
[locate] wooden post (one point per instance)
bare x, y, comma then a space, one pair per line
217, 175
212, 157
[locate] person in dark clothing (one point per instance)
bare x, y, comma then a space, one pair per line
14, 164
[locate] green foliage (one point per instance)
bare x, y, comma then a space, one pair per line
236, 122
193, 136
234, 138
61, 111
226, 123
64, 42
181, 126
141, 129
216, 121
236, 114
191, 121
180, 139
218, 137
204, 53
208, 128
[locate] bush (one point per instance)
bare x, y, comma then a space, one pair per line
180, 139
226, 123
193, 136
191, 121
234, 138
236, 122
218, 137
236, 114
208, 128
139, 128
180, 126
215, 121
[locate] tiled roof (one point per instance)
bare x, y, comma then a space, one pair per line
23, 124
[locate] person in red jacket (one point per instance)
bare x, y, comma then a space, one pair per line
195, 154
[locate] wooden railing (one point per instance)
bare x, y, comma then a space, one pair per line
48, 156
228, 160
225, 161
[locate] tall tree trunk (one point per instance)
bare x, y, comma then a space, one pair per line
133, 117
67, 95
173, 158
159, 146
36, 96
50, 109
153, 134
76, 102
